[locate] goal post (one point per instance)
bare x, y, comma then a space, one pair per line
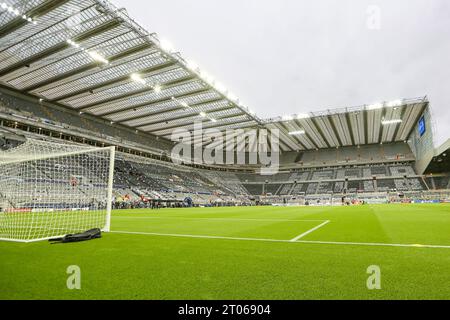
51, 189
109, 200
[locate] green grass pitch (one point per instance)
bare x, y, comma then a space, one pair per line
244, 253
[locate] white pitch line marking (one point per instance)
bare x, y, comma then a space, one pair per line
309, 231
197, 236
286, 241
221, 219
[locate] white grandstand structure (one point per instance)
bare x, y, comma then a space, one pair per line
85, 72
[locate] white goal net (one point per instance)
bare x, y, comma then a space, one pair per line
50, 189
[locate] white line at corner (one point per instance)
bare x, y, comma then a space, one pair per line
309, 231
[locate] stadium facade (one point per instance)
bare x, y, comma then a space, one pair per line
84, 72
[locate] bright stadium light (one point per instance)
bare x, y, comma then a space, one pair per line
297, 133
157, 88
213, 120
393, 121
231, 96
166, 45
97, 57
202, 114
374, 106
394, 103
192, 65
303, 116
220, 87
207, 77
137, 78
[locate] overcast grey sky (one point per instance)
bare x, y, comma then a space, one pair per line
293, 56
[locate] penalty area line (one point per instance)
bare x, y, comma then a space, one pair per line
371, 244
197, 236
309, 231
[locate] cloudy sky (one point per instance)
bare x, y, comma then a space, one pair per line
293, 56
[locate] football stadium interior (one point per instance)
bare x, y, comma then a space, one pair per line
89, 101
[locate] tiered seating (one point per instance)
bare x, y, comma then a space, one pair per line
312, 188
353, 173
299, 176
401, 185
325, 187
352, 155
53, 117
416, 184
226, 180
340, 174
272, 188
254, 189
338, 187
285, 189
321, 175
368, 186
251, 177
386, 185
299, 188
398, 171
354, 186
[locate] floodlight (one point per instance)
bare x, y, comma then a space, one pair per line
166, 45
203, 114
157, 88
192, 65
207, 77
393, 121
394, 103
97, 57
296, 133
231, 96
136, 77
220, 87
303, 116
374, 106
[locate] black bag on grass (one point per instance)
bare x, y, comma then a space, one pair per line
87, 235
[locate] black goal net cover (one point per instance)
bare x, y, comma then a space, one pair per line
77, 237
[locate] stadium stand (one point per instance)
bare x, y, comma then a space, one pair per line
133, 94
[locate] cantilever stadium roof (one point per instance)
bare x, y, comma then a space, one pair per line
369, 124
90, 56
